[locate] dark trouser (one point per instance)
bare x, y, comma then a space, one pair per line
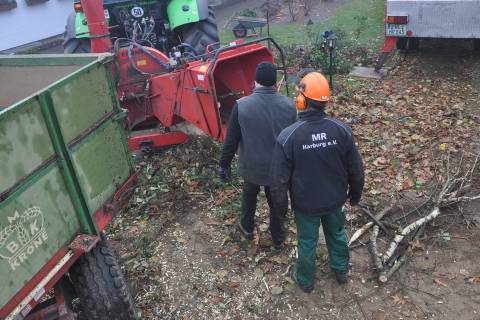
278, 203
307, 237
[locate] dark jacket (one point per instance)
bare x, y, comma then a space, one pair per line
254, 125
317, 158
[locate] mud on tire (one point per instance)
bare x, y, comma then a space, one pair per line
101, 287
199, 35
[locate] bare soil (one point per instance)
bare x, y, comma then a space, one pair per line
184, 259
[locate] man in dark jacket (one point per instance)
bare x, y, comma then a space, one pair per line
254, 125
317, 159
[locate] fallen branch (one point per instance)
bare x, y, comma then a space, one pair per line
377, 260
395, 267
457, 182
368, 225
450, 201
374, 219
406, 231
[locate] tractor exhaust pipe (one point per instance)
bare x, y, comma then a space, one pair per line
97, 25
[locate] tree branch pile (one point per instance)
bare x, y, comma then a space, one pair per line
451, 189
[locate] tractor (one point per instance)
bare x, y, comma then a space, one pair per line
160, 24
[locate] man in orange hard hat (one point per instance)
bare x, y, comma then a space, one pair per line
316, 158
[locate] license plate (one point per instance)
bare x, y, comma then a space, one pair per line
396, 29
107, 15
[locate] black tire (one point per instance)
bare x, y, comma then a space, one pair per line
407, 44
77, 45
240, 31
476, 45
201, 34
402, 43
413, 44
101, 287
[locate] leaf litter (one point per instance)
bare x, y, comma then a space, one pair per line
177, 240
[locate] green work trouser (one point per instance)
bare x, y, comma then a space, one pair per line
307, 237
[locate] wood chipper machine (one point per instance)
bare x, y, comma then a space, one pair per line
67, 125
163, 89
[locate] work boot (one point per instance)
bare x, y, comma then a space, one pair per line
278, 247
246, 234
342, 278
293, 275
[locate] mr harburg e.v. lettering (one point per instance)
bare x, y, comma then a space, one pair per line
323, 142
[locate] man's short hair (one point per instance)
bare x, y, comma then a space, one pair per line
266, 74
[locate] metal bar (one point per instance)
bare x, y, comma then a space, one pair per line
17, 186
118, 108
65, 163
24, 307
200, 103
92, 128
156, 139
49, 60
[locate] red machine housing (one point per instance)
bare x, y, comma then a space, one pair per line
201, 92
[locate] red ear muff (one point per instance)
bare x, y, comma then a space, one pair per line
300, 102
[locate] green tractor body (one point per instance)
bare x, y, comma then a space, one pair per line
171, 23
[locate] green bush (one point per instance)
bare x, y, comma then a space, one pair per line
313, 54
248, 13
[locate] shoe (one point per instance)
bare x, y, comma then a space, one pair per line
246, 234
293, 275
342, 278
277, 247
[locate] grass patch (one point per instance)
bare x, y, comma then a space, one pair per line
360, 21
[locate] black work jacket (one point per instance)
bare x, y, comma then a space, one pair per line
254, 126
317, 158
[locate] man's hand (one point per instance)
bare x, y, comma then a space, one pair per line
225, 174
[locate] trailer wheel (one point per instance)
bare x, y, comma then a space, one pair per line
77, 45
402, 43
201, 34
413, 43
476, 45
101, 287
240, 31
407, 44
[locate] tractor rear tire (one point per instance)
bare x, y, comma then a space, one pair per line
77, 45
101, 287
201, 34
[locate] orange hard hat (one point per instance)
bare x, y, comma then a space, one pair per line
313, 86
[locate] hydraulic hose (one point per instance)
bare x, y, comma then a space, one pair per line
164, 65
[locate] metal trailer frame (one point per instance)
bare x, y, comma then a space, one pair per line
67, 145
452, 19
244, 24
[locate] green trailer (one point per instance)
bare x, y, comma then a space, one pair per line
65, 170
